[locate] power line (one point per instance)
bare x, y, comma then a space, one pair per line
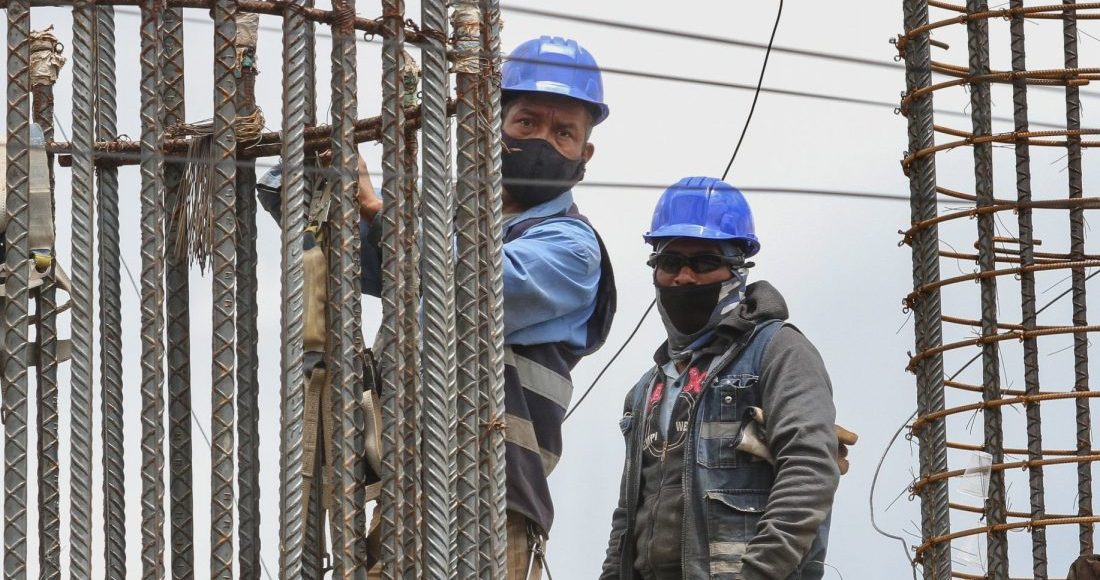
893, 106
703, 37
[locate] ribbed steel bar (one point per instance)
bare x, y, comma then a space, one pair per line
110, 304
49, 493
152, 296
177, 302
1080, 310
438, 357
352, 421
926, 310
394, 559
1027, 297
466, 24
223, 183
16, 305
83, 210
248, 389
292, 512
493, 229
345, 342
432, 560
980, 106
334, 239
248, 400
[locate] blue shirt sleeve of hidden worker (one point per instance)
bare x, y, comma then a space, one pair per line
551, 277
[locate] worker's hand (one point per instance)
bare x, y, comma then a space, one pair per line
369, 202
844, 438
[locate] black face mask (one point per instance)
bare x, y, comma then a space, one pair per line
534, 172
689, 308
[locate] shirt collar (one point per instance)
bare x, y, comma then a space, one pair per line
557, 205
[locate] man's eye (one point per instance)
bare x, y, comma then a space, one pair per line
526, 122
565, 133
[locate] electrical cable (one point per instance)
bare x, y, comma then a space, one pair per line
748, 119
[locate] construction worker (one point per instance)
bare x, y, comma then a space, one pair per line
731, 456
559, 292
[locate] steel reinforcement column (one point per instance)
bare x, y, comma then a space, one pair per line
16, 305
396, 563
466, 23
152, 295
295, 114
492, 280
83, 210
980, 106
177, 303
223, 183
1029, 317
935, 518
441, 483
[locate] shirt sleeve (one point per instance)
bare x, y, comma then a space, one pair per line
551, 270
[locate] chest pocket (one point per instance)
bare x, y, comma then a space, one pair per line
724, 404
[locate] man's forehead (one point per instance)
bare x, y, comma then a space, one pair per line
559, 105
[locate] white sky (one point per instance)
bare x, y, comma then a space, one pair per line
836, 260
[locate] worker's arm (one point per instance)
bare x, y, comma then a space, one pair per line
550, 271
799, 412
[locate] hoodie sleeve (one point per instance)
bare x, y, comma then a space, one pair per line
799, 415
612, 564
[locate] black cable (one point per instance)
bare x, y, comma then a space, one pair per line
748, 119
756, 94
608, 365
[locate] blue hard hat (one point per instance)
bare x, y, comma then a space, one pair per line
559, 66
706, 208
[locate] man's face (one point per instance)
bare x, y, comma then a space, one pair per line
560, 121
686, 276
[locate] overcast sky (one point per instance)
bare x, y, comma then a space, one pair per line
836, 260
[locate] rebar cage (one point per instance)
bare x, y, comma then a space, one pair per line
441, 354
1022, 484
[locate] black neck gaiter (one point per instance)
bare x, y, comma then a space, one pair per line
534, 172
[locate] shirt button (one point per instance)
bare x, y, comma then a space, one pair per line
728, 399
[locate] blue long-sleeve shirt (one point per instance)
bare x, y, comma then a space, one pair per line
551, 275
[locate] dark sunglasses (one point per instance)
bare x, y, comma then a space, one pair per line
699, 263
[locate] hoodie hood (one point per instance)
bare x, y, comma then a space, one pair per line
761, 302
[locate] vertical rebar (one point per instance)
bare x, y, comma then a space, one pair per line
177, 302
437, 268
110, 304
49, 493
224, 178
492, 272
430, 561
392, 500
981, 116
935, 517
16, 305
152, 296
466, 24
1077, 252
1027, 295
248, 400
295, 114
83, 210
